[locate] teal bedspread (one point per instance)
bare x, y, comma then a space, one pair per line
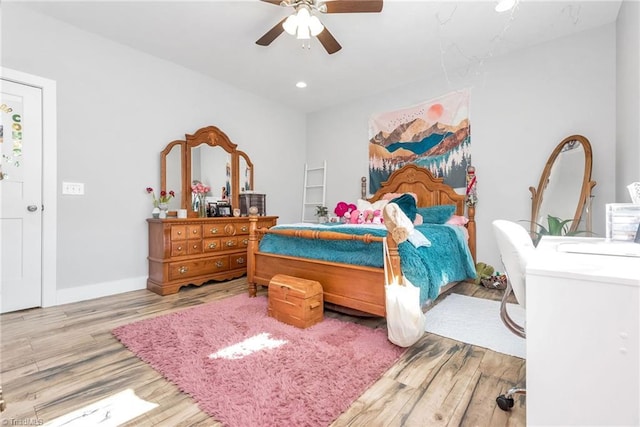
447, 259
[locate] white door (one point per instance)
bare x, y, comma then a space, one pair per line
20, 196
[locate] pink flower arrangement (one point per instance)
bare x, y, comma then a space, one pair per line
200, 188
164, 196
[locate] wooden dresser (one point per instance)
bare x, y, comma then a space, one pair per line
193, 251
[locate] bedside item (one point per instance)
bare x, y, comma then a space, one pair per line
182, 213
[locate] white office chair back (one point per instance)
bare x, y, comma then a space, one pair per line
516, 248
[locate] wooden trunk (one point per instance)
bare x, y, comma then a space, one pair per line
295, 301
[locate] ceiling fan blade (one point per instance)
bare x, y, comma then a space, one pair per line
271, 35
352, 6
276, 2
329, 42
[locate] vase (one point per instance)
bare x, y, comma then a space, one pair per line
163, 210
155, 213
202, 206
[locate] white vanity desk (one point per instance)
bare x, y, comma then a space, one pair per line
582, 324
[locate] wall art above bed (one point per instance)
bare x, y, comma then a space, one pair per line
434, 135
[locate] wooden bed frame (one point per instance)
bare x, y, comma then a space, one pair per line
352, 286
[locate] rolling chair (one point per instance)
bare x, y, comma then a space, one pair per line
516, 247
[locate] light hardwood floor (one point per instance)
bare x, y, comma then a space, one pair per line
59, 359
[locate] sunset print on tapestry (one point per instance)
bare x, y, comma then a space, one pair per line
434, 135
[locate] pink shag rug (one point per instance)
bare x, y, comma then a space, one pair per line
247, 369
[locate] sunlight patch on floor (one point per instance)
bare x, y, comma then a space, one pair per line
113, 411
251, 345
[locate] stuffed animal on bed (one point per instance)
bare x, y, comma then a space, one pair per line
343, 210
373, 216
355, 217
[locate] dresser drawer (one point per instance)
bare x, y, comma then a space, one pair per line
186, 247
229, 243
180, 270
237, 260
211, 230
211, 245
181, 232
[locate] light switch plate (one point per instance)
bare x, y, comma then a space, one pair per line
73, 188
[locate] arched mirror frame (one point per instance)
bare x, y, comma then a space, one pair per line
585, 191
163, 168
249, 165
212, 136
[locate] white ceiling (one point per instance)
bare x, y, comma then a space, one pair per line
407, 41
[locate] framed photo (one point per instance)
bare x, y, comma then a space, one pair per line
212, 209
224, 209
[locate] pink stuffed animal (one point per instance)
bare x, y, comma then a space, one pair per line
356, 217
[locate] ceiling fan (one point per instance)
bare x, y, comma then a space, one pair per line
304, 24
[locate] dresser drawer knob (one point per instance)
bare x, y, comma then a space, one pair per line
195, 246
245, 228
183, 270
219, 264
195, 231
240, 260
245, 242
231, 243
212, 245
179, 233
179, 248
213, 230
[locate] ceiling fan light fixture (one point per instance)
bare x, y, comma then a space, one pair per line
291, 24
303, 32
315, 26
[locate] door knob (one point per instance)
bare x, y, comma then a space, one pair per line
32, 208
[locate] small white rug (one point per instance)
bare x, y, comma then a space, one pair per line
477, 321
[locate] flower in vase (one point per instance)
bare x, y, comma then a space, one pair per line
164, 196
200, 188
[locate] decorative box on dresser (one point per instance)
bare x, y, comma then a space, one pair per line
193, 251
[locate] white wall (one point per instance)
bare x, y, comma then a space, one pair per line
117, 109
522, 106
628, 99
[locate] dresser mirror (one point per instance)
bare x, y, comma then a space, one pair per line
246, 172
171, 168
565, 185
207, 156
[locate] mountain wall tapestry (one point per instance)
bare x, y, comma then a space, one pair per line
434, 135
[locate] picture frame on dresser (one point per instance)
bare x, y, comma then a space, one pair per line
223, 209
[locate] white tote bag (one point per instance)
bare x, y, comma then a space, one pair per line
405, 320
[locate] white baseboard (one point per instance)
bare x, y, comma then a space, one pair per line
97, 290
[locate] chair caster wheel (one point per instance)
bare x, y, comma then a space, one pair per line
505, 403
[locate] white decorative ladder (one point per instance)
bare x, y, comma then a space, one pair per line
314, 192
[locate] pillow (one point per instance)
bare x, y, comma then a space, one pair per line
407, 204
458, 220
363, 205
390, 196
437, 214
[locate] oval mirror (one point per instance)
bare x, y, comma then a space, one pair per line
565, 185
171, 172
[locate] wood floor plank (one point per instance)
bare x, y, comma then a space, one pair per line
59, 359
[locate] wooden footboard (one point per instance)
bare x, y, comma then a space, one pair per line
357, 287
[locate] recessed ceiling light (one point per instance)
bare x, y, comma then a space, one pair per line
504, 5
301, 85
